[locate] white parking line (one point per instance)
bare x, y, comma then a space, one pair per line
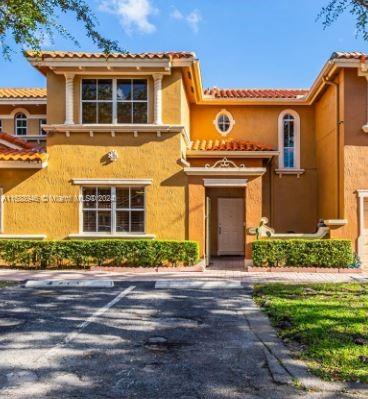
98, 313
196, 284
71, 336
69, 283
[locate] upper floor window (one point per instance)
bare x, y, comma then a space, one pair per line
41, 131
20, 124
132, 101
289, 140
224, 122
114, 101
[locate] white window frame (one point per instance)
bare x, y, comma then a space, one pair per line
113, 209
97, 101
296, 117
131, 101
42, 122
16, 127
231, 119
114, 98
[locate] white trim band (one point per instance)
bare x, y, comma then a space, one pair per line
112, 182
22, 164
225, 182
23, 236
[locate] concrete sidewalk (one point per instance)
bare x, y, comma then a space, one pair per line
246, 277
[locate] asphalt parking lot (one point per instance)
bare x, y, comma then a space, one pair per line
132, 341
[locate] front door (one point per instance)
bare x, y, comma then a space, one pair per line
230, 226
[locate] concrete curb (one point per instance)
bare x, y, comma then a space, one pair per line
284, 368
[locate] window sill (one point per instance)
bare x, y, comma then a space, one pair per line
112, 236
290, 171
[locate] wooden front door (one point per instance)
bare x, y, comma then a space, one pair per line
230, 226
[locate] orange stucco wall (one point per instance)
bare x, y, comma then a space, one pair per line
355, 150
296, 212
81, 156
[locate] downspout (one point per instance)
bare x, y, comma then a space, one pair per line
338, 123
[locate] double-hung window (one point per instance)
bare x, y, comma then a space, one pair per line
20, 122
114, 101
132, 101
97, 101
115, 210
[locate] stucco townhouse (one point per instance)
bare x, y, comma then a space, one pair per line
132, 145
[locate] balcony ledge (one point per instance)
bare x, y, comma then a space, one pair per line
111, 127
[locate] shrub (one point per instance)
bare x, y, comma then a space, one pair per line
83, 253
303, 253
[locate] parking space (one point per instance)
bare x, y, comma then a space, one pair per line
132, 340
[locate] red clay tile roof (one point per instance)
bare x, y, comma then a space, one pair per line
82, 54
13, 92
28, 151
355, 55
223, 145
256, 93
22, 155
16, 141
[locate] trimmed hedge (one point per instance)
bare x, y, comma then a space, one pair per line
303, 253
84, 253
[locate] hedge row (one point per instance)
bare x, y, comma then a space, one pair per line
304, 253
84, 253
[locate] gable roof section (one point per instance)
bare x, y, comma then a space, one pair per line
28, 92
15, 149
256, 93
14, 141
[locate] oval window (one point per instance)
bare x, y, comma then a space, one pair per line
223, 123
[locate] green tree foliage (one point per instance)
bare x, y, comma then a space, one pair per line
357, 8
29, 22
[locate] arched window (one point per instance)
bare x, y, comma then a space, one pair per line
289, 140
20, 121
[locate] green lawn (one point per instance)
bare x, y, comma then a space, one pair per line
326, 323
